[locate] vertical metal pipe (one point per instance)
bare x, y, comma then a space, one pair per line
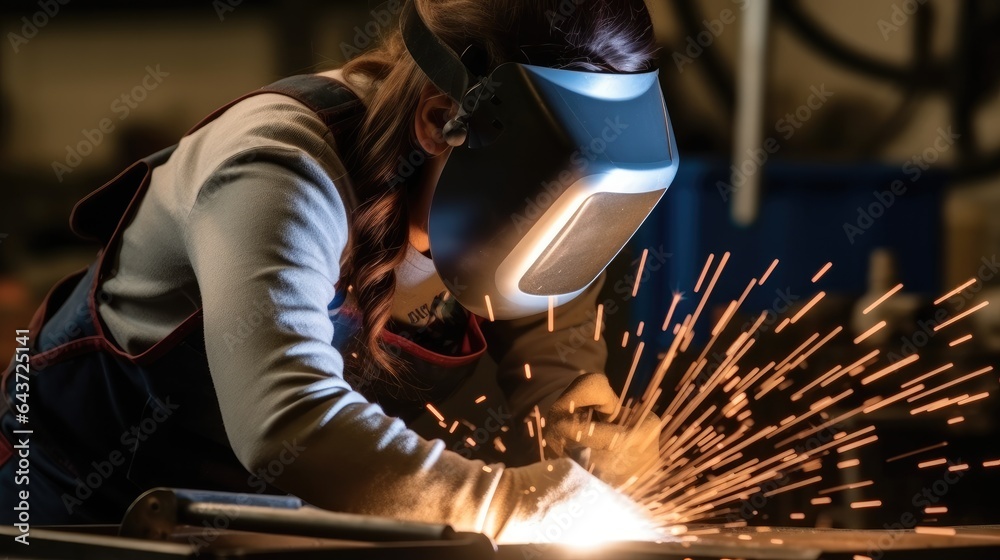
751, 74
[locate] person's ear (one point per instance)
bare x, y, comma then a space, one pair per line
433, 111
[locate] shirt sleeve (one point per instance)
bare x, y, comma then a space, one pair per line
265, 237
556, 358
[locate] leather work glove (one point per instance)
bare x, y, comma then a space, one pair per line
559, 502
615, 451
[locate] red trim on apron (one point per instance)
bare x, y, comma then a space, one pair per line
474, 343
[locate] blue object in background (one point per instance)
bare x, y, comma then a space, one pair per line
810, 214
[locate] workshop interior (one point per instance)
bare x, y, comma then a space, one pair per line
812, 306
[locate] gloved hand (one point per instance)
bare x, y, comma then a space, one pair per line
616, 452
559, 501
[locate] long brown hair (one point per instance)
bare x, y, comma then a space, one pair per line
595, 35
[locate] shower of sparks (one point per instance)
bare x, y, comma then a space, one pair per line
713, 446
721, 439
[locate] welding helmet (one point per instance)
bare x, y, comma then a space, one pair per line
551, 174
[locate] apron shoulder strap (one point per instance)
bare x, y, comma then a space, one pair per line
100, 213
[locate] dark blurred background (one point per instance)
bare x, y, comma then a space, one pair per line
871, 126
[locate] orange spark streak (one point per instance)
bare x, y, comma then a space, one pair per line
781, 326
884, 297
857, 444
767, 273
968, 283
481, 399
927, 375
628, 381
851, 486
962, 379
704, 272
552, 314
821, 501
960, 340
961, 467
638, 275
956, 420
821, 272
489, 308
897, 397
943, 531
624, 339
870, 332
973, 398
597, 323
917, 451
890, 368
932, 463
961, 315
868, 504
435, 412
808, 306
793, 486
936, 510
527, 371
670, 312
848, 463
994, 463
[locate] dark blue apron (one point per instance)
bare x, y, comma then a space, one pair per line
107, 425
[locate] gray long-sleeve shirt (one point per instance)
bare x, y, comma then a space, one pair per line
249, 219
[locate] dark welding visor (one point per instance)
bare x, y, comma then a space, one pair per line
552, 173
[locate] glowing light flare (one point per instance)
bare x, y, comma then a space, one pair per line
585, 521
